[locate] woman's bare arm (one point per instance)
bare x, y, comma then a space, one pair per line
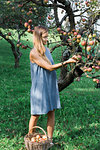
35, 58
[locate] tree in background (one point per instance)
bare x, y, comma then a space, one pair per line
21, 17
79, 39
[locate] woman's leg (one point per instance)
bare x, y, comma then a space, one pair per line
33, 122
50, 123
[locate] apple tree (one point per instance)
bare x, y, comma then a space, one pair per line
78, 38
16, 20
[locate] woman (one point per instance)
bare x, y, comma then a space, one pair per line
44, 89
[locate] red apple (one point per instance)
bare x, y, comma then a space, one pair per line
94, 80
88, 48
75, 33
69, 33
91, 42
70, 44
78, 36
83, 43
26, 24
23, 46
20, 5
18, 45
76, 3
29, 27
83, 19
64, 33
58, 29
29, 30
45, 1
78, 41
97, 68
89, 69
30, 21
49, 17
69, 40
33, 139
85, 69
97, 80
86, 2
44, 137
89, 57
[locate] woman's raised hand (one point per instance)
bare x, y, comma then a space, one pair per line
71, 60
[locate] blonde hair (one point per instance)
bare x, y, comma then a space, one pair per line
38, 42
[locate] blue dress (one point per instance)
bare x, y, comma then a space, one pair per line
44, 94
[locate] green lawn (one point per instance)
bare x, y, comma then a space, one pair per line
77, 125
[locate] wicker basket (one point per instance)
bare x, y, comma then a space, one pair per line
43, 145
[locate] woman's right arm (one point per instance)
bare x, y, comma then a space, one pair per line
34, 57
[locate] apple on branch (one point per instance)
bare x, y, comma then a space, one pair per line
97, 68
30, 21
88, 48
49, 17
45, 1
83, 19
78, 41
75, 33
64, 33
91, 42
26, 24
58, 29
78, 36
29, 30
83, 43
89, 69
18, 45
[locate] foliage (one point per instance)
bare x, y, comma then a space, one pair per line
14, 15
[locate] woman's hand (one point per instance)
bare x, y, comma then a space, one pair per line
71, 60
75, 57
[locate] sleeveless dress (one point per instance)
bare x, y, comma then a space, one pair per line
44, 95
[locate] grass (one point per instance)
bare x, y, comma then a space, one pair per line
77, 125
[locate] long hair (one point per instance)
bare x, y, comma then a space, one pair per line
38, 42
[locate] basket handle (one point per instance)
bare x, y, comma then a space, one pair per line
38, 128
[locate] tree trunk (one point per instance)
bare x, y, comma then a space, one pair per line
15, 50
66, 79
63, 83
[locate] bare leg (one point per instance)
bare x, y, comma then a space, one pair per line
33, 121
50, 123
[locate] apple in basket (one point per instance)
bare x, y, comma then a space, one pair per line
38, 137
33, 139
44, 137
